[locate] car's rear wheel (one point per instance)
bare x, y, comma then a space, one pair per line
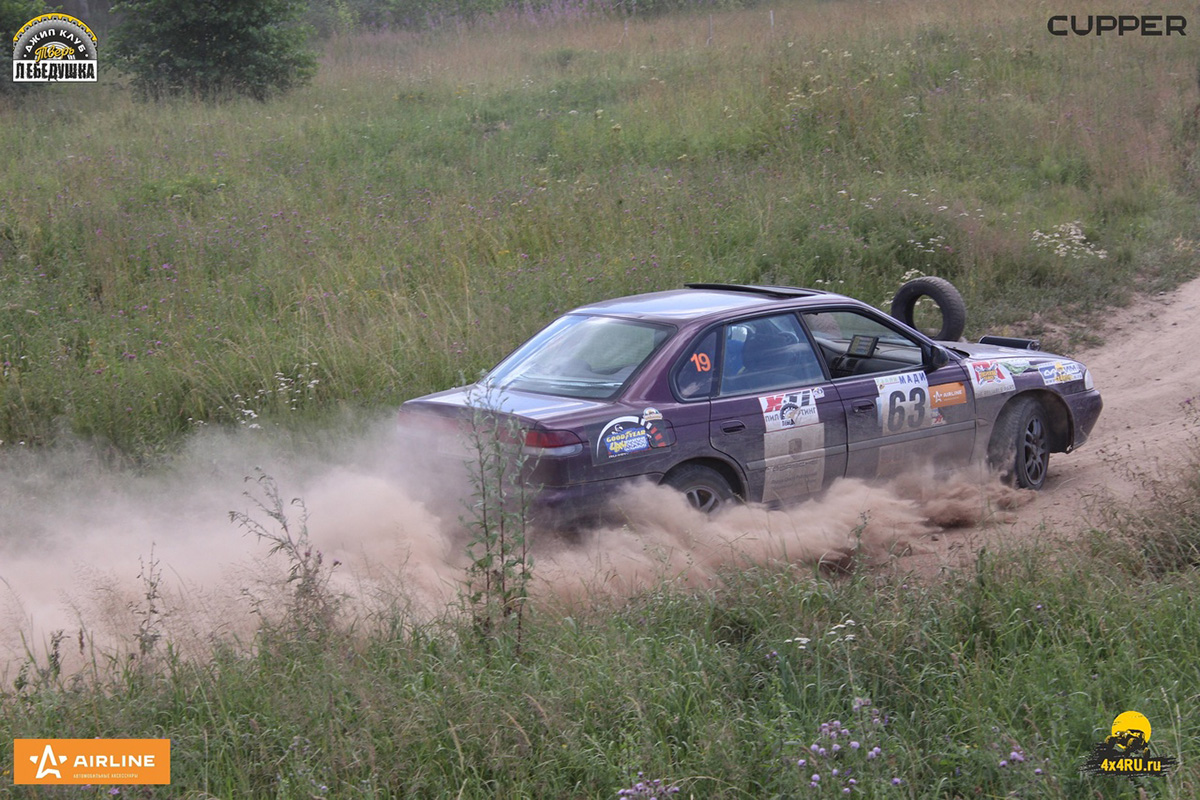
948, 300
1020, 445
706, 489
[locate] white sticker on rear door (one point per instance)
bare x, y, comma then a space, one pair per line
790, 409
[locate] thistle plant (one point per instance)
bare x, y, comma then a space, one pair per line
656, 789
149, 613
33, 676
501, 568
845, 757
312, 605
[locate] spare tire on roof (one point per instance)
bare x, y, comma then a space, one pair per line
948, 299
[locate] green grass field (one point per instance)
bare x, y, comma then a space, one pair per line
432, 199
995, 683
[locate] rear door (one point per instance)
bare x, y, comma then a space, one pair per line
771, 410
899, 416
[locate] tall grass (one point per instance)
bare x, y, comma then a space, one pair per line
434, 198
995, 683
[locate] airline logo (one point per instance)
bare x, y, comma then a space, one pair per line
91, 761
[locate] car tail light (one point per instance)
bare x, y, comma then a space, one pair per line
541, 444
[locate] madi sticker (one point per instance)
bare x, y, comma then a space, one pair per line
626, 436
904, 402
790, 409
991, 377
1060, 372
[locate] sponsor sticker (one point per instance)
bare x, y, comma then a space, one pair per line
626, 436
991, 377
947, 394
790, 409
1017, 366
91, 761
1060, 372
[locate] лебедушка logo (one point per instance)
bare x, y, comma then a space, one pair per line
54, 48
1127, 750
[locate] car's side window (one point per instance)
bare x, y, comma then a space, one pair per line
694, 375
767, 353
853, 343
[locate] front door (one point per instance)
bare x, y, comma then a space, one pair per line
899, 417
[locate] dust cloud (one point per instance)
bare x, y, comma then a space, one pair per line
103, 555
853, 523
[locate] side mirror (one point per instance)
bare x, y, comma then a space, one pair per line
936, 357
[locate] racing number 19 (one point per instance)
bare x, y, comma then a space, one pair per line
702, 362
906, 411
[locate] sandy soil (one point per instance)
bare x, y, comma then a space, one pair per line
1148, 372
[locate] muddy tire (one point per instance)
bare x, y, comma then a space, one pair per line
1020, 444
948, 299
705, 489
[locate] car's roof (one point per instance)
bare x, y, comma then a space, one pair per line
701, 300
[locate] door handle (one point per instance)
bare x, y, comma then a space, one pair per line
862, 406
733, 426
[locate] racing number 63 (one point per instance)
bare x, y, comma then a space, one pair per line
906, 410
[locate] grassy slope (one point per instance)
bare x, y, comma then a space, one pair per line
429, 202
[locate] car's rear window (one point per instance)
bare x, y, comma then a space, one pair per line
590, 357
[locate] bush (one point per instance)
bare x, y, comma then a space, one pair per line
213, 50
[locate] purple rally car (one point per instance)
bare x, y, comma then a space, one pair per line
767, 394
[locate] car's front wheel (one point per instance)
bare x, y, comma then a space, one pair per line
706, 489
1020, 445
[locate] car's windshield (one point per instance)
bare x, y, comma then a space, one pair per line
580, 356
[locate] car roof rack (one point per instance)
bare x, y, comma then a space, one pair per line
769, 291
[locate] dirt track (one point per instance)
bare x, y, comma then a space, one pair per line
1148, 372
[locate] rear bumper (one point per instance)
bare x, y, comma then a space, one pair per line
583, 504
